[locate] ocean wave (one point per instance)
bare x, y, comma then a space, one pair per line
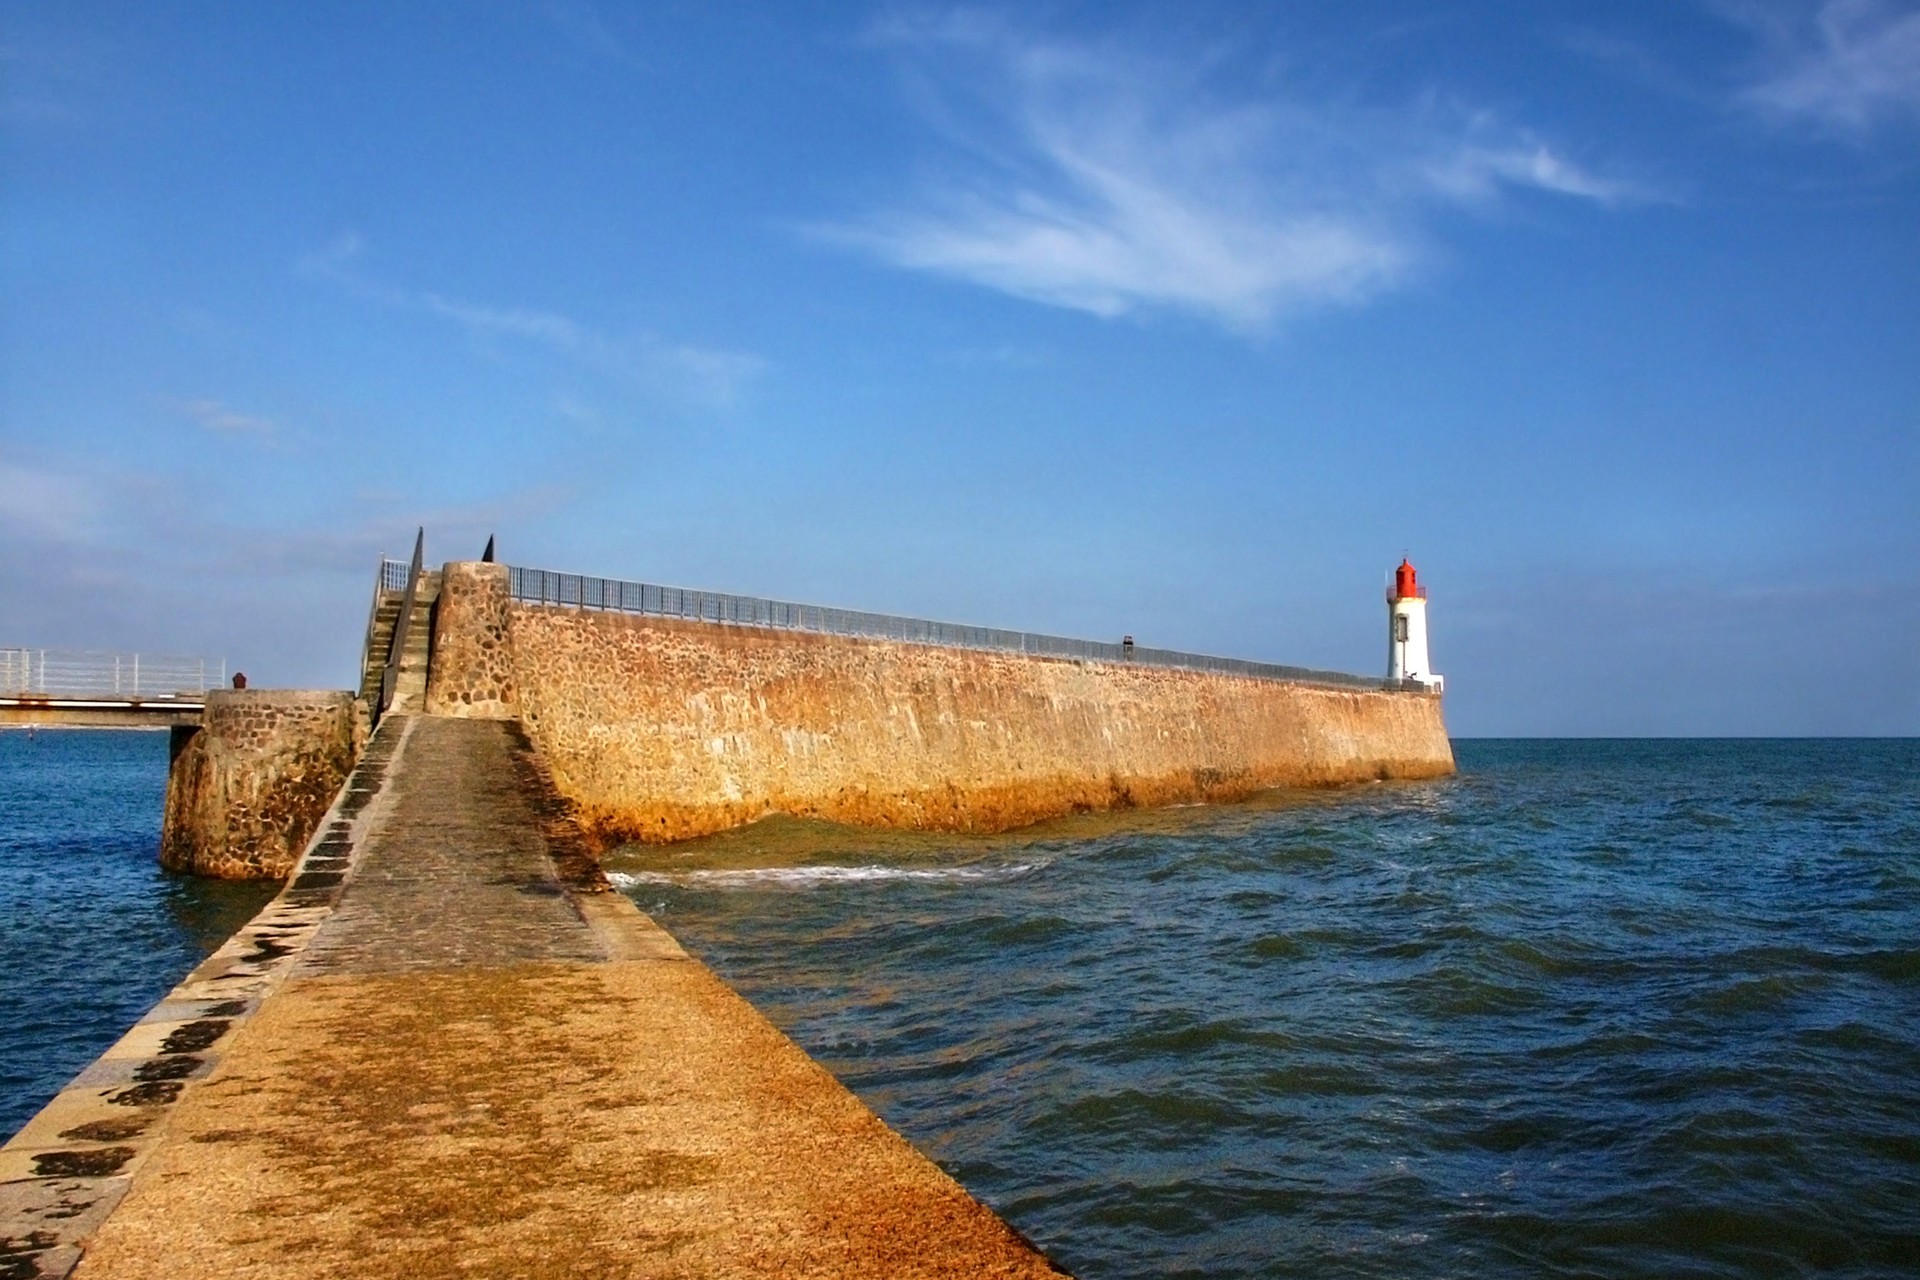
805, 877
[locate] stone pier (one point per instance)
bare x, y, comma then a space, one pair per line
662, 729
449, 1050
248, 785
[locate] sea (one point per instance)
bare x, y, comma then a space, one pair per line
92, 931
1589, 1008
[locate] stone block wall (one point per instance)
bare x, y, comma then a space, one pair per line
249, 786
661, 730
471, 671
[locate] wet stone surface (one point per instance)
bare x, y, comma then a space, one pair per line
108, 1130
61, 1177
455, 872
94, 1162
195, 1036
470, 1088
151, 1093
17, 1254
179, 1066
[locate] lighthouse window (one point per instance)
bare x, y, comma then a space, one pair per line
1400, 627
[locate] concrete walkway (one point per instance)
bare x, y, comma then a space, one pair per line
483, 1064
456, 873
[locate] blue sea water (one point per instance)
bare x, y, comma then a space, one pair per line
1589, 1009
1592, 1008
92, 931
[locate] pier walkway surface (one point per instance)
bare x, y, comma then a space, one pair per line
448, 1050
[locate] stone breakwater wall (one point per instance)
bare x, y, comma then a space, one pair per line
249, 785
659, 729
471, 672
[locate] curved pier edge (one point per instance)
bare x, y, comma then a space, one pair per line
72, 1163
442, 934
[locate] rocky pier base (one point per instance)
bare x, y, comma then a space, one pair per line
249, 784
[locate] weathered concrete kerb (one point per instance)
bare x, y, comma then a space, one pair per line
447, 1049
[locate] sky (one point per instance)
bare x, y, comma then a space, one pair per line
1178, 321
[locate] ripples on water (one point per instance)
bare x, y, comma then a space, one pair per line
1591, 1008
92, 931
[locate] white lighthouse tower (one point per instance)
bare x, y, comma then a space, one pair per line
1407, 631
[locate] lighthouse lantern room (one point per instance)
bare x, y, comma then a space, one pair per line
1407, 630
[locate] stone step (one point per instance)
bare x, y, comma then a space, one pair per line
410, 682
414, 652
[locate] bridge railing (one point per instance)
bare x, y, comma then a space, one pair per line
81, 673
543, 586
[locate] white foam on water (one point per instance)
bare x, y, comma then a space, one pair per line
804, 877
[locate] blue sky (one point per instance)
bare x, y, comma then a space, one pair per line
1183, 321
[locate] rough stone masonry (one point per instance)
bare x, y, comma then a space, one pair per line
247, 787
660, 729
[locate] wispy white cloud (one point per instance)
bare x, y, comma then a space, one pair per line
215, 416
1004, 356
379, 523
93, 503
1477, 172
1845, 66
585, 26
97, 555
578, 412
706, 376
1110, 180
39, 503
40, 82
1635, 60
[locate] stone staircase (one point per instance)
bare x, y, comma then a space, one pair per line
373, 659
410, 689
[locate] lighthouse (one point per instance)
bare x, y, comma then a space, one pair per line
1407, 630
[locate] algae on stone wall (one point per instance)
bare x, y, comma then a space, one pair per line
661, 729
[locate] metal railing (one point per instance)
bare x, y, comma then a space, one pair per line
573, 590
398, 648
81, 673
389, 576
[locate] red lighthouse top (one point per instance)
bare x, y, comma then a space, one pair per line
1405, 587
